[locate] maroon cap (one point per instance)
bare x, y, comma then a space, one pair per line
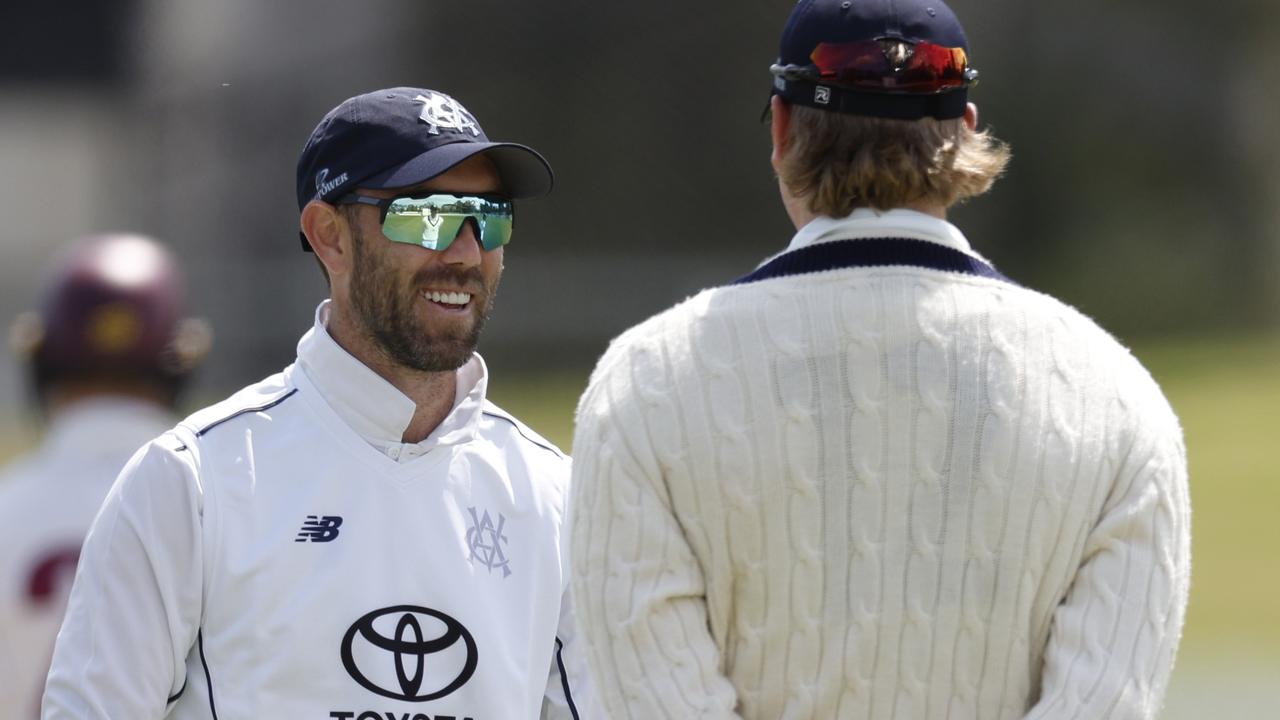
113, 308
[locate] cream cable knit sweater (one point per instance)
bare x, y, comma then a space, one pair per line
878, 493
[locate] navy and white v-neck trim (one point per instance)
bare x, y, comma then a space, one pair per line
871, 238
871, 252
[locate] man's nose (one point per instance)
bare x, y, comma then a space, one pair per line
465, 248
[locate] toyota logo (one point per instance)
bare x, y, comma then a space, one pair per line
409, 653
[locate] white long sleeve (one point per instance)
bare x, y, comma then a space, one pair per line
1114, 637
887, 493
646, 621
135, 606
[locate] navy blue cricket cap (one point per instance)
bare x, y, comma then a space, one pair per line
403, 136
847, 56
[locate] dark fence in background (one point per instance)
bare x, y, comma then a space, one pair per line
1142, 189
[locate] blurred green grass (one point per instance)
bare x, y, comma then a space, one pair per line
1226, 392
544, 402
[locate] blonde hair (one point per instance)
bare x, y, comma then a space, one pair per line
839, 162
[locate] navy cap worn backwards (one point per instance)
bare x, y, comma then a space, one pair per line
838, 26
402, 136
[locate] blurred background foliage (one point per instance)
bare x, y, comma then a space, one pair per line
1143, 190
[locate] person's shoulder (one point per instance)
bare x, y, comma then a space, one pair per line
170, 466
1066, 326
258, 399
502, 425
545, 466
657, 330
1075, 340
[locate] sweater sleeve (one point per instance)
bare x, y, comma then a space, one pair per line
135, 605
639, 588
1115, 634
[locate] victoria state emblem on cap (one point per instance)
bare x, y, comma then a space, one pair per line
441, 111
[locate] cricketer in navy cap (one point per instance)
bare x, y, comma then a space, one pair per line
874, 477
831, 58
363, 534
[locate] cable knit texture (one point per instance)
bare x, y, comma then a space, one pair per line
878, 493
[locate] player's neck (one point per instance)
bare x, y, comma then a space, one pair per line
800, 214
433, 398
432, 393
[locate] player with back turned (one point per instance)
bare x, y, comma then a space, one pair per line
875, 478
363, 535
108, 354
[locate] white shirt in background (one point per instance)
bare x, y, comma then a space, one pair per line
48, 498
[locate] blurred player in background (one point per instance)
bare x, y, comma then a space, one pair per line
108, 355
875, 478
364, 534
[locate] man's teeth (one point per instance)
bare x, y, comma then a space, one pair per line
448, 298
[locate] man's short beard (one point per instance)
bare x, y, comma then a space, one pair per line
389, 316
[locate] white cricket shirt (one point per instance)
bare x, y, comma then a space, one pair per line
48, 498
282, 555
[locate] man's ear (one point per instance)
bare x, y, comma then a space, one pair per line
971, 117
329, 234
779, 127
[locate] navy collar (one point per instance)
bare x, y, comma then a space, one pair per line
871, 252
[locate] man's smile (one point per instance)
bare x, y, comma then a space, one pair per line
449, 299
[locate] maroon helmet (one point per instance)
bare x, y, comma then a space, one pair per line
113, 312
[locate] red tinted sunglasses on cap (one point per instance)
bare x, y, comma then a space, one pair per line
886, 78
893, 66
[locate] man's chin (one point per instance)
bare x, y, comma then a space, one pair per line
441, 355
438, 344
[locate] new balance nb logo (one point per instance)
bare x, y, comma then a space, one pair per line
319, 528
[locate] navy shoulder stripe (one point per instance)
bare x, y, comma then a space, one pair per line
872, 252
533, 439
244, 411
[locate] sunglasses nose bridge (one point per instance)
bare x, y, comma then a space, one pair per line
468, 236
476, 224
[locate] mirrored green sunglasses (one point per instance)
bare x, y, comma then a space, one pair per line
433, 220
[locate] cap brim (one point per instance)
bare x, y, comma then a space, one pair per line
524, 172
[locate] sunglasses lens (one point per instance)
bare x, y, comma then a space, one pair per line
407, 228
434, 221
889, 66
496, 231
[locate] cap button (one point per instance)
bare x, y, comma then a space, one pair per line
931, 11
846, 4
